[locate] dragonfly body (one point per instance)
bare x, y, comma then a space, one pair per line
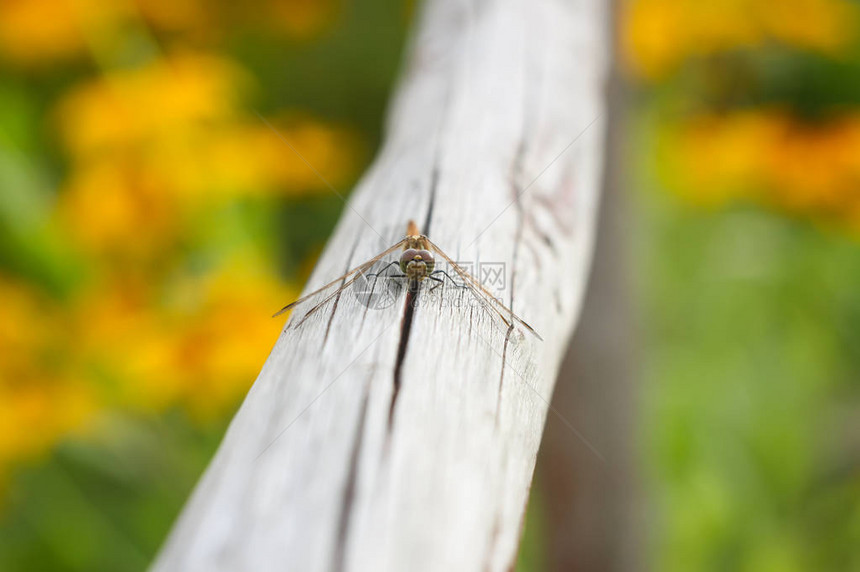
417, 262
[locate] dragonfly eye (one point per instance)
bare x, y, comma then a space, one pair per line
408, 255
426, 256
412, 256
428, 260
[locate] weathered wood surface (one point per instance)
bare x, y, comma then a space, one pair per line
365, 445
592, 509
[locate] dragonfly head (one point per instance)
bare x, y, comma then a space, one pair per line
416, 264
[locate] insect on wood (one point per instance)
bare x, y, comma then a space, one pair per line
417, 263
381, 435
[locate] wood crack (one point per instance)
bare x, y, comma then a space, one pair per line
494, 537
349, 489
434, 183
405, 330
411, 304
502, 374
337, 298
516, 176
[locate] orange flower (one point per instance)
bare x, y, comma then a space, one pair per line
713, 159
35, 415
163, 100
226, 332
188, 15
657, 35
331, 151
302, 19
35, 30
41, 398
151, 146
815, 169
195, 342
769, 157
116, 207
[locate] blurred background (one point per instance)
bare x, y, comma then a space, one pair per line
151, 222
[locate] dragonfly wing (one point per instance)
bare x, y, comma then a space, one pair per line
483, 295
340, 283
329, 297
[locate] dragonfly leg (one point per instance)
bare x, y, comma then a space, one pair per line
386, 267
435, 279
453, 282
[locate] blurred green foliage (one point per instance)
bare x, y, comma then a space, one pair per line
751, 390
751, 320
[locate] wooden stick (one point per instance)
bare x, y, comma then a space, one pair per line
384, 438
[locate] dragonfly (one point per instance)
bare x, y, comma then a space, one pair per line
417, 263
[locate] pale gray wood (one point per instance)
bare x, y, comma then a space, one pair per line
326, 466
591, 507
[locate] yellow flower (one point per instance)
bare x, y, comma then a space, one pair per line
24, 324
151, 146
117, 207
35, 415
160, 101
178, 15
226, 334
769, 157
713, 159
815, 169
249, 159
821, 25
42, 399
133, 137
657, 35
302, 19
331, 151
196, 342
123, 337
34, 30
